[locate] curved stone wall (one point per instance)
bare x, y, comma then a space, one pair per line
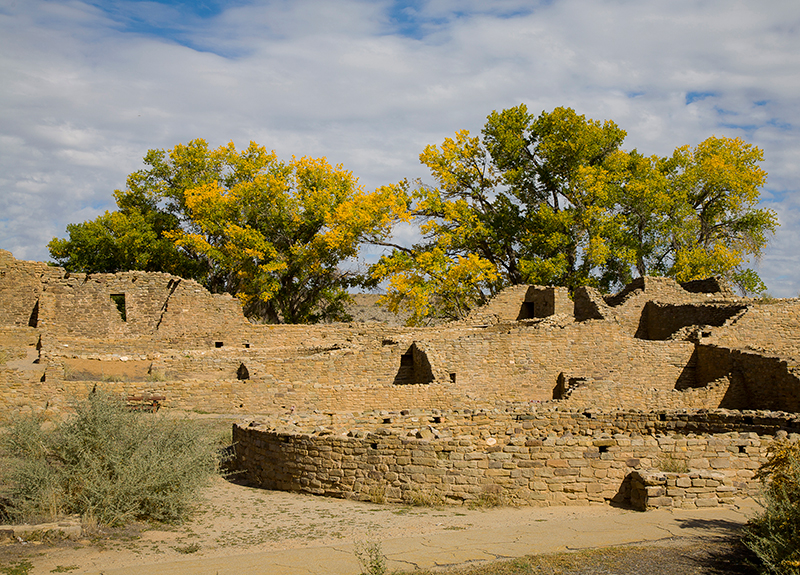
528, 456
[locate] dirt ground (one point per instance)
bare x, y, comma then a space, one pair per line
235, 520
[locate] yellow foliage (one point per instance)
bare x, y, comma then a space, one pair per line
280, 228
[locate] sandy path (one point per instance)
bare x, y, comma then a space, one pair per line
234, 520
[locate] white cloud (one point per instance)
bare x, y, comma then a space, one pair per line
85, 93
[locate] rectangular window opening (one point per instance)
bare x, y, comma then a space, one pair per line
119, 301
218, 344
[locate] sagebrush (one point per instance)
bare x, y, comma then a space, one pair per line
105, 463
774, 535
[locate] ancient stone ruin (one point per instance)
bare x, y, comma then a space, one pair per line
660, 395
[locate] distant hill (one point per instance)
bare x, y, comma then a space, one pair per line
365, 308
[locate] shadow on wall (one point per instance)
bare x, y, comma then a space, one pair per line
414, 367
753, 380
662, 321
541, 302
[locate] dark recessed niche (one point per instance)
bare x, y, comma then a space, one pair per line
247, 346
33, 320
242, 373
604, 449
218, 344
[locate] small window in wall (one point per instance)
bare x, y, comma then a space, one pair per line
119, 301
218, 344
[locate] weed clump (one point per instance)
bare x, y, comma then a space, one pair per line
490, 496
423, 498
106, 463
671, 464
371, 558
774, 535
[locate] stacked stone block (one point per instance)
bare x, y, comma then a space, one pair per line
547, 458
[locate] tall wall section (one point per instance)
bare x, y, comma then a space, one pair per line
647, 347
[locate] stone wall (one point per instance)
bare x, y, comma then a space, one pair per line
653, 489
755, 380
531, 457
20, 288
459, 411
771, 327
136, 304
660, 321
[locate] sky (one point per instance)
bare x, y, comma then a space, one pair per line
87, 87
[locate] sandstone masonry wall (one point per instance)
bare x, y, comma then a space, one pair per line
549, 458
20, 288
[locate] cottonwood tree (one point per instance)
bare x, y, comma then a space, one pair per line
272, 233
554, 199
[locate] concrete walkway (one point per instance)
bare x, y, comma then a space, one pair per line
538, 531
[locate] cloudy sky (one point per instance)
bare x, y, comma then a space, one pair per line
88, 86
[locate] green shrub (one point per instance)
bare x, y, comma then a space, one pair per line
370, 557
774, 535
105, 463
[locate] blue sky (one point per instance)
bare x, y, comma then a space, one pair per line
88, 86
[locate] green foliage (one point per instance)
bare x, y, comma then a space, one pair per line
106, 463
555, 200
19, 568
774, 535
370, 558
131, 238
272, 233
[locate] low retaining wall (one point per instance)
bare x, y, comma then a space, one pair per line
653, 489
530, 457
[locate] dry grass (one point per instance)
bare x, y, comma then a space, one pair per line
714, 556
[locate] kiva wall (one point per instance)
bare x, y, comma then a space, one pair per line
546, 458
